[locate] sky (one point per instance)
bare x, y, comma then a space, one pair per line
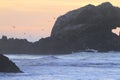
34, 19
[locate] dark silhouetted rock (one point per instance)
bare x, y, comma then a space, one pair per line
90, 15
8, 66
86, 28
15, 46
89, 27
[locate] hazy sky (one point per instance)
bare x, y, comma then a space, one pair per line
33, 19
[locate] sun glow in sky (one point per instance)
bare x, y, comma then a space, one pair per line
34, 19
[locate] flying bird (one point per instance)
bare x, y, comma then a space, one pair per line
14, 27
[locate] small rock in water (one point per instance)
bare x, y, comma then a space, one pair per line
7, 65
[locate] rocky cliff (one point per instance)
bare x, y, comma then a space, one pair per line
89, 27
104, 14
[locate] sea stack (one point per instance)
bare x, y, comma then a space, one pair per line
89, 27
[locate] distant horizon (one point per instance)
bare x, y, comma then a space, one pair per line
34, 19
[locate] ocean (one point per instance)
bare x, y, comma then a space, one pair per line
75, 66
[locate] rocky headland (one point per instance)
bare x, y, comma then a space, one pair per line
89, 27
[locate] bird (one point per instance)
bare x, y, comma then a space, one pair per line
14, 27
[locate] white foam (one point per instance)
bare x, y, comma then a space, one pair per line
76, 66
